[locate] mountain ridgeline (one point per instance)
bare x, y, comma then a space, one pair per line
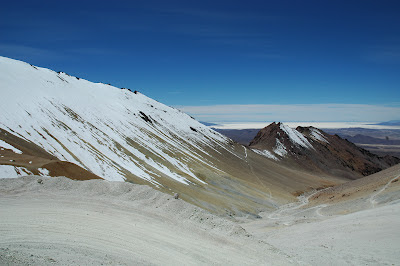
56, 124
313, 149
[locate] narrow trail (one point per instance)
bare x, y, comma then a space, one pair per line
317, 211
254, 174
288, 208
372, 198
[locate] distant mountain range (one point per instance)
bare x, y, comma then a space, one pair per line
362, 139
390, 123
208, 124
242, 136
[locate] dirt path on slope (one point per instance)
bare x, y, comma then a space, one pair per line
303, 211
254, 174
355, 223
373, 196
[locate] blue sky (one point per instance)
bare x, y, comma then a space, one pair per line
220, 53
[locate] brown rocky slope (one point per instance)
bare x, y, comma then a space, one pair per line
312, 149
33, 159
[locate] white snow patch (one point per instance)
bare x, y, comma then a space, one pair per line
43, 172
9, 171
9, 147
296, 137
317, 135
280, 149
266, 153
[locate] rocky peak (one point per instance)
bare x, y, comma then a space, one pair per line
267, 135
280, 139
313, 149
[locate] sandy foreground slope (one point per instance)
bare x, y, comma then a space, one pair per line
67, 222
369, 237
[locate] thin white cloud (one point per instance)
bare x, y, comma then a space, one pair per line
298, 112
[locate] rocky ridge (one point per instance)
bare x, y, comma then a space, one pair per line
313, 149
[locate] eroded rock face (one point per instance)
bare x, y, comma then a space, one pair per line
313, 149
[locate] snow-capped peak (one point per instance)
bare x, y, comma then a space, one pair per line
296, 137
317, 135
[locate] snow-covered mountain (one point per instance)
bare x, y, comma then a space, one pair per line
102, 124
58, 120
313, 149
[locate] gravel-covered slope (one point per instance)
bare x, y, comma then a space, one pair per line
64, 222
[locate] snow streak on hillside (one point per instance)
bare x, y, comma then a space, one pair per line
296, 137
109, 131
5, 145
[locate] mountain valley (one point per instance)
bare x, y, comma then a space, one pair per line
95, 174
120, 135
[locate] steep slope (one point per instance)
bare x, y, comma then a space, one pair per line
19, 157
313, 149
117, 134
